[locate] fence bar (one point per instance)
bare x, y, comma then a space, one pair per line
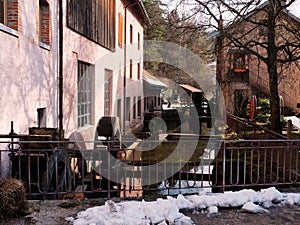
51, 172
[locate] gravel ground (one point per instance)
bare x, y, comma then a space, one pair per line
52, 212
277, 215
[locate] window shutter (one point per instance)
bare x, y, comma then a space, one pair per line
2, 11
94, 19
120, 32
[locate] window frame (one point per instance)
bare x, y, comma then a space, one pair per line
42, 19
11, 22
108, 91
42, 117
119, 107
138, 71
134, 108
130, 69
127, 110
239, 66
131, 34
4, 15
242, 65
139, 41
139, 106
84, 92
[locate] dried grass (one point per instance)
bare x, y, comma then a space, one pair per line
13, 201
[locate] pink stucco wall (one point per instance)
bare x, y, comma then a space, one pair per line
28, 72
77, 47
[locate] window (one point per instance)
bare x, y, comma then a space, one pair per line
159, 100
119, 108
131, 34
85, 74
44, 22
139, 41
130, 69
3, 12
239, 62
9, 13
139, 112
138, 71
127, 112
134, 108
42, 118
108, 92
120, 31
94, 19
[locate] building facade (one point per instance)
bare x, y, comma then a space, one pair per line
244, 74
102, 63
28, 64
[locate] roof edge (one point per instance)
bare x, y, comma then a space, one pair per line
138, 8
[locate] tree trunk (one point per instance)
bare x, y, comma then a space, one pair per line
274, 98
273, 74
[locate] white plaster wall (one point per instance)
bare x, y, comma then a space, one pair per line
134, 86
28, 76
28, 73
77, 47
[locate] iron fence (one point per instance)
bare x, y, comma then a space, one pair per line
249, 130
106, 169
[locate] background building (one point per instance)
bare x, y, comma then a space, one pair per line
245, 75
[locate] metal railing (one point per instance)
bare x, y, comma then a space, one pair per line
249, 130
50, 171
258, 163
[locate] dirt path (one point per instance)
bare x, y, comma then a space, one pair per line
278, 215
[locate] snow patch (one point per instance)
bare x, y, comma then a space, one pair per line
253, 208
167, 211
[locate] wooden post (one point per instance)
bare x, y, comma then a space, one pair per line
289, 129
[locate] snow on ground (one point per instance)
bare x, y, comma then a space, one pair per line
167, 211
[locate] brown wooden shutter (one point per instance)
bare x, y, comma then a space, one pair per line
120, 30
94, 19
2, 11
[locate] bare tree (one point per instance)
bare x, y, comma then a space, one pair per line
172, 26
279, 45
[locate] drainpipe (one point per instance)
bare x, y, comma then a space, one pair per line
60, 76
125, 61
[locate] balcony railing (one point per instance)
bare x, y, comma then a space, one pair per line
241, 76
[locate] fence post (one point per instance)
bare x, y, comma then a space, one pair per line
289, 129
224, 169
109, 148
